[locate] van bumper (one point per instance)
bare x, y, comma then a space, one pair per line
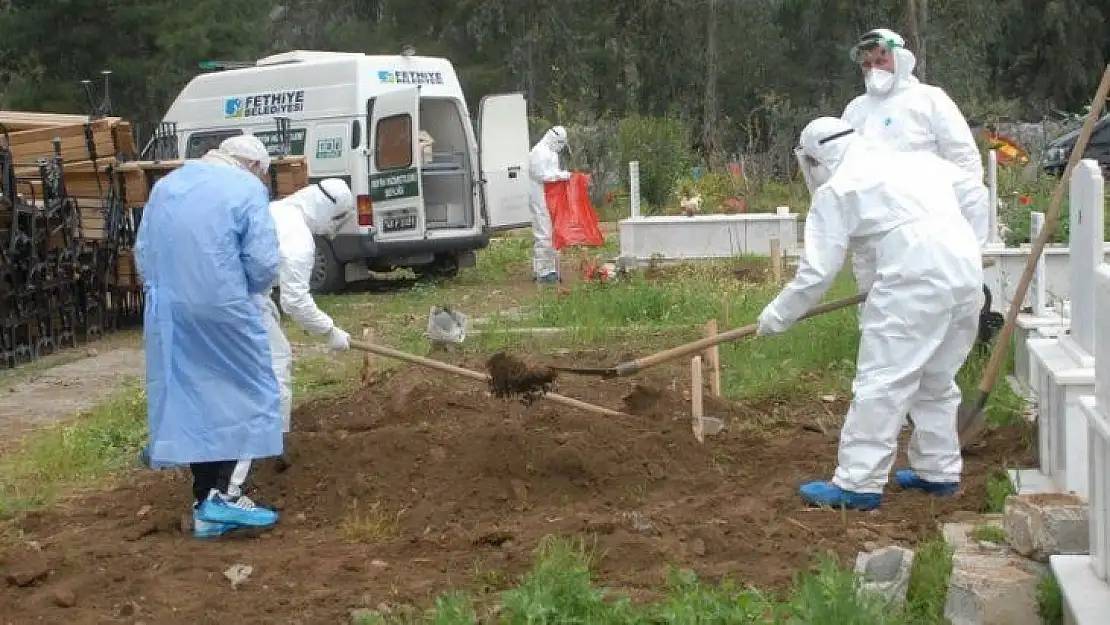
357, 247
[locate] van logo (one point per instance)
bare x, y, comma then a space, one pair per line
260, 104
233, 107
387, 77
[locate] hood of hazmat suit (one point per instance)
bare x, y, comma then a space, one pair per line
543, 167
206, 247
921, 315
904, 114
319, 209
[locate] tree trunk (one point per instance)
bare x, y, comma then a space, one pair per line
709, 122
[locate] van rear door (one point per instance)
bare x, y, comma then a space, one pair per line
396, 206
503, 158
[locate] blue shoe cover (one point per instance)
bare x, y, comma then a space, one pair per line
551, 278
240, 512
206, 529
826, 494
908, 479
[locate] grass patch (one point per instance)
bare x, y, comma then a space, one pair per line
74, 453
987, 533
1050, 600
999, 488
816, 355
928, 586
370, 524
560, 590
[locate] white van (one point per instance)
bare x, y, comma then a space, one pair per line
429, 189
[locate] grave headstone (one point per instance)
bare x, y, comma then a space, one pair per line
1102, 339
634, 187
1037, 293
1085, 202
993, 237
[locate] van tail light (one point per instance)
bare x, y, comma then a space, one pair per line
365, 211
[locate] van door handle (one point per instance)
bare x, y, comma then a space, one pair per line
514, 172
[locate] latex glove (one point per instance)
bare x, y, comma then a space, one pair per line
339, 340
769, 323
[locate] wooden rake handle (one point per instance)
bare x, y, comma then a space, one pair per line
635, 366
444, 367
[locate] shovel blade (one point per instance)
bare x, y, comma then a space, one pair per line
969, 423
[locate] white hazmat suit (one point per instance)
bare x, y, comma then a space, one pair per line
543, 166
900, 112
920, 317
318, 209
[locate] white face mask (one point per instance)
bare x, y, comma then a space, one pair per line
879, 81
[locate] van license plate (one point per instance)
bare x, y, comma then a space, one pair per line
404, 222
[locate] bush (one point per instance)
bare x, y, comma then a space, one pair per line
662, 146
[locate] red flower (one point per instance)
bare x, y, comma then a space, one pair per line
1025, 200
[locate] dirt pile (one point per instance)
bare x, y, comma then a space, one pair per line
512, 377
420, 484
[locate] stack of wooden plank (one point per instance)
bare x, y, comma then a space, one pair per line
137, 178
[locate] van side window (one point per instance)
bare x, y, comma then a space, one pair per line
394, 137
201, 142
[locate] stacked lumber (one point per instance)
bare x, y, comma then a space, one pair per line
71, 200
136, 179
287, 175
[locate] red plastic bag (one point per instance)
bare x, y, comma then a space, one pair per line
573, 218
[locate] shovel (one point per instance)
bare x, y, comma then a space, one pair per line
971, 416
389, 352
635, 366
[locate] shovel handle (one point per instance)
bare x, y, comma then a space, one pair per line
389, 352
635, 366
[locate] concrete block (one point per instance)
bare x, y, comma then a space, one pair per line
992, 589
886, 571
959, 537
1042, 525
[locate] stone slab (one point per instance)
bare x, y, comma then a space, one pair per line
1042, 525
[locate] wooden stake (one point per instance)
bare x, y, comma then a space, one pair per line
367, 362
713, 355
776, 262
697, 412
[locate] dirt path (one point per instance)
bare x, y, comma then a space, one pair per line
60, 392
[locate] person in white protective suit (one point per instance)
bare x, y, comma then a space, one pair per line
899, 111
920, 317
543, 166
319, 209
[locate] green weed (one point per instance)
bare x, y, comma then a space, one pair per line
92, 446
1050, 600
928, 586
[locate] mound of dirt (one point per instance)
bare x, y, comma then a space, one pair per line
423, 482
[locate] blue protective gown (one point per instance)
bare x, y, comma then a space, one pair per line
206, 245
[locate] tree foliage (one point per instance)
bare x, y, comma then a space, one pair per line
738, 72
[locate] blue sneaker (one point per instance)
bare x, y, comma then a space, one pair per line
908, 479
829, 495
239, 512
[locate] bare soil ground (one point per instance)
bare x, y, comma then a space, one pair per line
421, 483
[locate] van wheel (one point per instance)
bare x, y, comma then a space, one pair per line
327, 272
444, 267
